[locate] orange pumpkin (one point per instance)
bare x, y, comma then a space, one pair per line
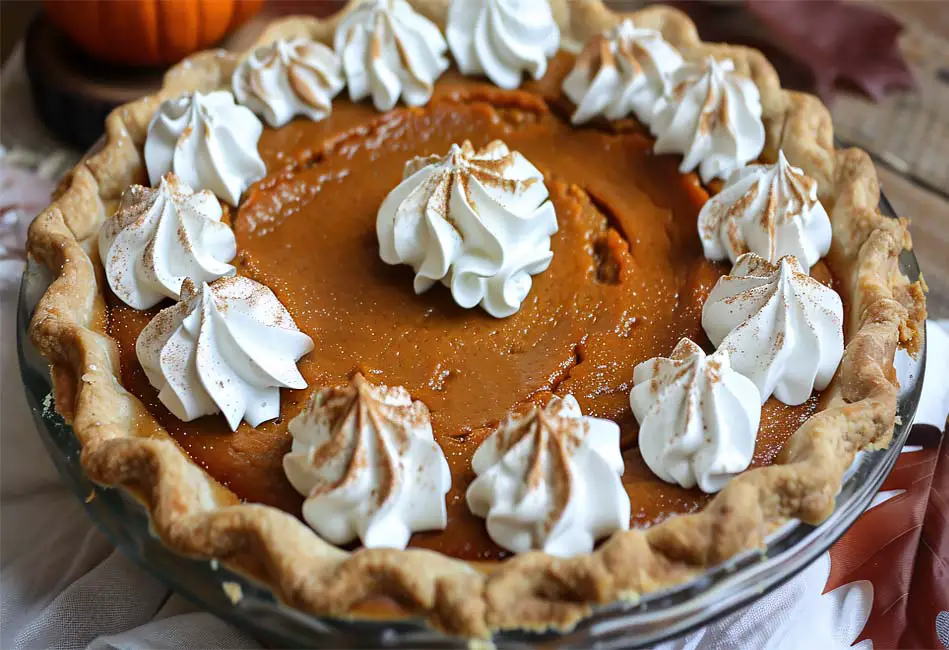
147, 32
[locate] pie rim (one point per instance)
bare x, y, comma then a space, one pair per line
193, 515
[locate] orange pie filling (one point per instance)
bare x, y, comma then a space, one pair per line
628, 279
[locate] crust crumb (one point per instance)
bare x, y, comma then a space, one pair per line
233, 592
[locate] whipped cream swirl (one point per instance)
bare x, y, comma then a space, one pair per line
698, 417
365, 459
712, 116
623, 70
389, 50
549, 479
158, 237
771, 210
208, 141
227, 347
783, 328
288, 78
501, 39
479, 222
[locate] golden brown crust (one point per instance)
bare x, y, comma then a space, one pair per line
194, 515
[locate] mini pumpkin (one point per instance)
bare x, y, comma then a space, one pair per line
147, 32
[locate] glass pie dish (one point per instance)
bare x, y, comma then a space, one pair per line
251, 606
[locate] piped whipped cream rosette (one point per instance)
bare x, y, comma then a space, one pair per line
782, 328
388, 50
227, 347
365, 459
502, 39
208, 141
288, 78
624, 70
698, 417
712, 116
479, 222
549, 479
771, 210
160, 236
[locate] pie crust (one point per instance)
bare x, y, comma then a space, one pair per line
195, 515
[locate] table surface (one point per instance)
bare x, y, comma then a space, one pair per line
908, 136
907, 133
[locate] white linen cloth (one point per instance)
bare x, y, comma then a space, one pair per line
62, 585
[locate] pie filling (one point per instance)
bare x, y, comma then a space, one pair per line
628, 280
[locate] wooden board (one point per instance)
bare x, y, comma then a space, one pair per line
909, 131
73, 93
908, 135
929, 224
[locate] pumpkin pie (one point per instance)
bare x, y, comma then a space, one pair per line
435, 308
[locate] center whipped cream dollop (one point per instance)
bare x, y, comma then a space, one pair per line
501, 39
783, 328
478, 221
208, 141
389, 50
367, 462
228, 347
624, 70
549, 480
160, 236
698, 418
289, 78
712, 116
771, 210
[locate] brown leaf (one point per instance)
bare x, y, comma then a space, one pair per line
817, 46
845, 43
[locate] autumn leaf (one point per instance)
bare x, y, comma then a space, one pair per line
892, 546
843, 43
928, 596
818, 46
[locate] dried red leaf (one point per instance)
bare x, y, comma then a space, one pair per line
816, 46
843, 43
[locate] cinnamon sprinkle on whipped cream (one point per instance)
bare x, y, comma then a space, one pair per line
549, 479
770, 210
698, 417
366, 461
783, 329
479, 222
